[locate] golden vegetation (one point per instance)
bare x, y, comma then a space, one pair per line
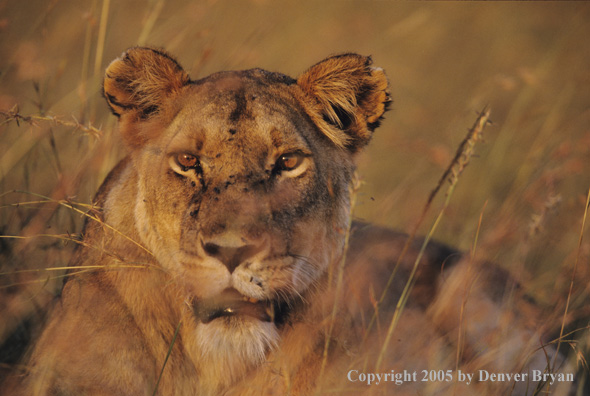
523, 197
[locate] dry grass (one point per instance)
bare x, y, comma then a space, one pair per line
450, 175
528, 61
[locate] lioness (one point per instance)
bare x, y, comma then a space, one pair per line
221, 240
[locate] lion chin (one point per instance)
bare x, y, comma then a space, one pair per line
232, 345
236, 333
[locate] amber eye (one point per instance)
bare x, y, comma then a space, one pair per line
288, 162
186, 161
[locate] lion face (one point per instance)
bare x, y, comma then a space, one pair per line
243, 177
234, 181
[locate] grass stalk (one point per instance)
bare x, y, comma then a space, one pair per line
339, 282
166, 359
83, 84
150, 22
451, 174
25, 142
72, 205
102, 32
574, 270
467, 291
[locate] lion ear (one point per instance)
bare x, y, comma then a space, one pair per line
346, 98
139, 81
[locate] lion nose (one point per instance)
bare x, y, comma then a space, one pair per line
232, 256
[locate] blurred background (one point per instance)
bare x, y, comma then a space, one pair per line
528, 61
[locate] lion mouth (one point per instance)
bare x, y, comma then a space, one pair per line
229, 303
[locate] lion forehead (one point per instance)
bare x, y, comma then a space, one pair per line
236, 116
236, 95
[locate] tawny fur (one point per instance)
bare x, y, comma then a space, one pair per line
142, 79
346, 85
172, 237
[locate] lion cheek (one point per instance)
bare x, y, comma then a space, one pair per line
150, 229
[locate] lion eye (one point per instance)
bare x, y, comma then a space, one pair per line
288, 162
186, 161
291, 165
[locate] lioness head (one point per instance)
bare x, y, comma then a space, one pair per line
244, 176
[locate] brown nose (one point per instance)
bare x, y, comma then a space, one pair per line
232, 256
